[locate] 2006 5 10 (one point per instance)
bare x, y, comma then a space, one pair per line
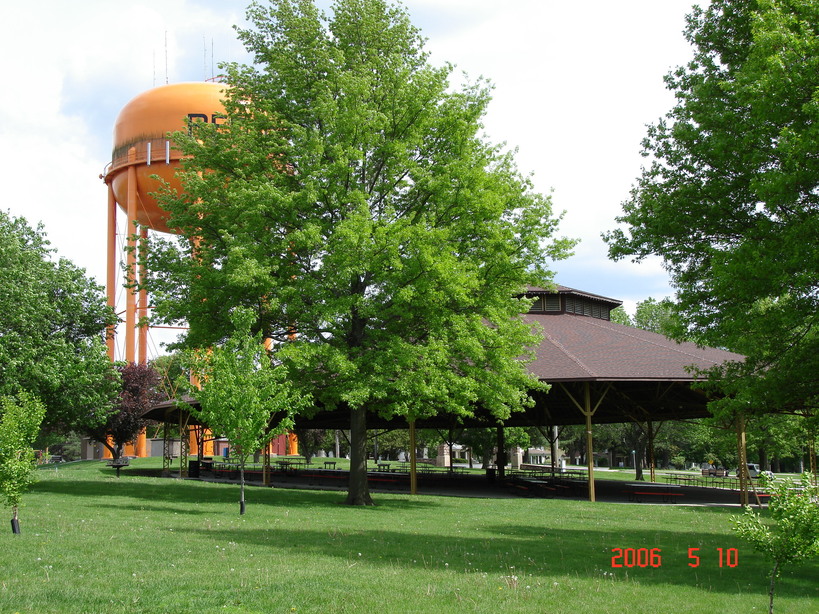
652, 557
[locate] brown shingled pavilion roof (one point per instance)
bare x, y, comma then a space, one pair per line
578, 348
635, 374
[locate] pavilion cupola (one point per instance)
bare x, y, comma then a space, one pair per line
561, 299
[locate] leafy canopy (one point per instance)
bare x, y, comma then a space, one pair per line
729, 198
791, 536
52, 331
139, 392
351, 202
19, 424
244, 396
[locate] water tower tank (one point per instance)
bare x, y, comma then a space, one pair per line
142, 147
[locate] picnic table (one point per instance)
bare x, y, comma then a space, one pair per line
577, 474
226, 464
226, 468
681, 478
428, 469
118, 463
638, 490
570, 486
532, 487
287, 464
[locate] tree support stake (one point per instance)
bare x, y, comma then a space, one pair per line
413, 460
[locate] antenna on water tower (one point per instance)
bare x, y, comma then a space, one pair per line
205, 59
166, 57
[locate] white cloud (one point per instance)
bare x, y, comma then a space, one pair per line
575, 85
70, 69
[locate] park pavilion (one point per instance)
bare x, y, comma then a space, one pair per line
599, 371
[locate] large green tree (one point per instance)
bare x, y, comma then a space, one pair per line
730, 196
351, 200
52, 331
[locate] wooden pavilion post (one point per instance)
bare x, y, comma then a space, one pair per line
501, 456
743, 460
588, 411
413, 460
166, 446
650, 429
266, 464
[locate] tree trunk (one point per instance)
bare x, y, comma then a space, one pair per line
763, 458
242, 486
773, 586
501, 453
15, 523
114, 450
638, 468
639, 458
359, 490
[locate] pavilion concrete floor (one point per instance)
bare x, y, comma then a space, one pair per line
471, 485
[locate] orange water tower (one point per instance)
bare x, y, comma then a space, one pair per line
143, 149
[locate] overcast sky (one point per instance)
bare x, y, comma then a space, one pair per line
575, 85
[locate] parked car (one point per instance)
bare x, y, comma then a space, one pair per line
755, 471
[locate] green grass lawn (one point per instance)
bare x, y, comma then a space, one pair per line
93, 543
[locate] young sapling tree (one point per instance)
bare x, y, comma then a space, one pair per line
792, 534
244, 396
19, 425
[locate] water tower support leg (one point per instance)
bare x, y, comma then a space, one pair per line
111, 272
130, 303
